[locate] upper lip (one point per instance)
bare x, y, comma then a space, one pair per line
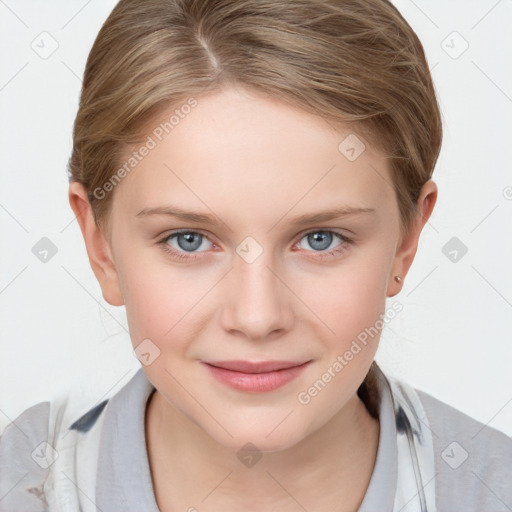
256, 366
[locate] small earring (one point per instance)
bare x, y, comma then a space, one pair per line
398, 279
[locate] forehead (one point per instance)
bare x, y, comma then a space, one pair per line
243, 150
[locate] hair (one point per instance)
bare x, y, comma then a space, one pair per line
354, 63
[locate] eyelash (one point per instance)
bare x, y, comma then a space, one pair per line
192, 256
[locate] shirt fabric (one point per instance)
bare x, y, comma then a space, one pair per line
431, 457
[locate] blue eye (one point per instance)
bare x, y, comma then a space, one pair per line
321, 240
186, 240
188, 243
189, 240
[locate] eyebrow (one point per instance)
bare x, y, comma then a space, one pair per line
200, 218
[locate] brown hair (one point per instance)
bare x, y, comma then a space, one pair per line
355, 62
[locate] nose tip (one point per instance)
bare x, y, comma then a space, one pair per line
257, 300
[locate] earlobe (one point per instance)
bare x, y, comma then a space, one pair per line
407, 250
98, 249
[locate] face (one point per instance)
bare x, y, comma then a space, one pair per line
251, 281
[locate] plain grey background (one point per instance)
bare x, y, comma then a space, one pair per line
453, 337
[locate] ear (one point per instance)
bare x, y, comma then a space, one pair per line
98, 248
408, 246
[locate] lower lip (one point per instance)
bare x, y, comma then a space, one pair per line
256, 382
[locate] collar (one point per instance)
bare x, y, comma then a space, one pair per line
132, 490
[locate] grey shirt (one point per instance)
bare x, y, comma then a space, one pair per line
473, 462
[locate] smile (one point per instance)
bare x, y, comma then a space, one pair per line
255, 377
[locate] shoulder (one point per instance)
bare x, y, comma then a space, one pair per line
22, 460
29, 447
473, 461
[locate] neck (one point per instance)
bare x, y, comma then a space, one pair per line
328, 470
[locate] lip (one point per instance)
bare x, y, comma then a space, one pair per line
255, 377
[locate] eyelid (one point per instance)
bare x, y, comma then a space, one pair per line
191, 230
323, 230
176, 232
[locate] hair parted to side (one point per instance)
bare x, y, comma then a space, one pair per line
351, 62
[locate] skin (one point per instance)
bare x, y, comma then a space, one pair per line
254, 163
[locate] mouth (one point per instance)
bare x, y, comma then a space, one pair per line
256, 377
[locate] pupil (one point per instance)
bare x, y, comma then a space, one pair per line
190, 243
322, 238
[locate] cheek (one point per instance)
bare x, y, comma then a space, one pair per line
351, 302
349, 298
156, 302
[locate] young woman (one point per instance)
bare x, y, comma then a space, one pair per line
251, 180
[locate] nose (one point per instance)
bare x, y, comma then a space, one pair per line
258, 302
